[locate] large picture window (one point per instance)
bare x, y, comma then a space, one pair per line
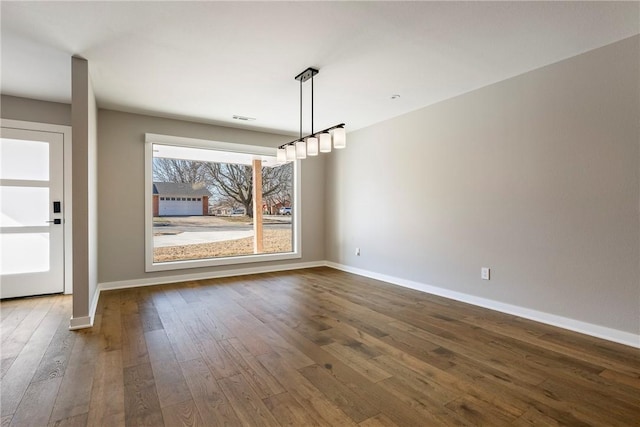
214, 203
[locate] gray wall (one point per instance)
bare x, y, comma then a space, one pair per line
536, 177
121, 192
31, 110
84, 188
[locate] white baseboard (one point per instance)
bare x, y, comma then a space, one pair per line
597, 331
80, 322
86, 321
163, 280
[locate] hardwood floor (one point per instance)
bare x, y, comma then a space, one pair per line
303, 348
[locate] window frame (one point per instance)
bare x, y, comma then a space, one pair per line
151, 266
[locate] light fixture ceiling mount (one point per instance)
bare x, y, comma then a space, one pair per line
315, 142
306, 74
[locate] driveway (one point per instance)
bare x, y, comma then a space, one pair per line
180, 231
197, 237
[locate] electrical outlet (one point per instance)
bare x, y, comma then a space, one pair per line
485, 273
358, 251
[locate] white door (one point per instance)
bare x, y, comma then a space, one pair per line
31, 213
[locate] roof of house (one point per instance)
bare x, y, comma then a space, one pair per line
174, 188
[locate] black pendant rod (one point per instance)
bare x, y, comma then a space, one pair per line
300, 108
312, 103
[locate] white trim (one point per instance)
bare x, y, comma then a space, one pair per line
213, 262
68, 213
148, 205
163, 280
150, 266
615, 335
67, 177
94, 304
209, 144
80, 322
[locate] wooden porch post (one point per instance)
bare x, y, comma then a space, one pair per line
257, 206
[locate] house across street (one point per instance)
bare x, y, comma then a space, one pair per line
174, 199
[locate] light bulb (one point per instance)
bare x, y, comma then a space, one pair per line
281, 155
301, 150
339, 138
291, 153
312, 146
325, 142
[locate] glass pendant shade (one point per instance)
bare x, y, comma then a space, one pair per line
312, 146
281, 156
290, 153
339, 138
301, 150
325, 142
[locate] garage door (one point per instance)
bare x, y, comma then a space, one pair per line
176, 206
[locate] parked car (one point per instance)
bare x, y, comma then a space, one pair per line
285, 211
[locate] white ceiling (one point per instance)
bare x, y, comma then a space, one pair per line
207, 61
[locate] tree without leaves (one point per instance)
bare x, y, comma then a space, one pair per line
231, 181
236, 182
177, 170
280, 195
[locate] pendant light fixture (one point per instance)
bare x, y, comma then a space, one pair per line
312, 146
301, 149
315, 142
325, 142
290, 153
339, 138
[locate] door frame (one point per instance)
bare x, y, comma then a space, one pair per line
66, 166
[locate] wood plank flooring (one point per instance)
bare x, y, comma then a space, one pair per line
315, 347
